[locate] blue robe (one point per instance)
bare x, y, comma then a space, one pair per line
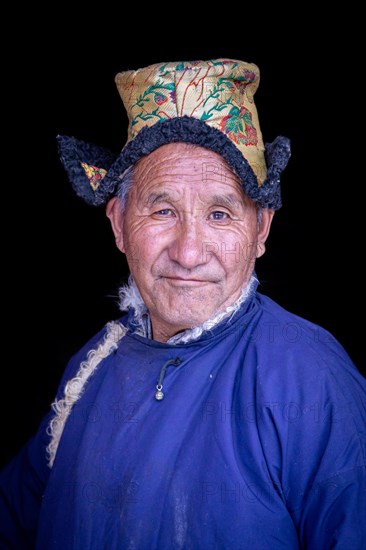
259, 443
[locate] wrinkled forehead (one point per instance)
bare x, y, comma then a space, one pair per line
178, 163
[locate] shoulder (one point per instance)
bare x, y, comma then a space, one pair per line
293, 327
309, 395
297, 355
293, 334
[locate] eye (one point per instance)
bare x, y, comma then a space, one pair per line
218, 215
164, 213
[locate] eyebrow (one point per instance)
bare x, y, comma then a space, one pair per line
229, 200
154, 198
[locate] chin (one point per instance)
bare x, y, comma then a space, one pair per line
186, 308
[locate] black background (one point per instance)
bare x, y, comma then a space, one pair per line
61, 269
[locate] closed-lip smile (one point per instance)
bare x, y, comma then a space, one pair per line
183, 281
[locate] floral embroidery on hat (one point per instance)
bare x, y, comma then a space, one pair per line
94, 174
238, 126
217, 92
150, 101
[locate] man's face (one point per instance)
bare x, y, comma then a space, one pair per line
190, 235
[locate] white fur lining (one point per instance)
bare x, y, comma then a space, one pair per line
75, 387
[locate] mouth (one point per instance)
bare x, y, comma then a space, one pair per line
180, 281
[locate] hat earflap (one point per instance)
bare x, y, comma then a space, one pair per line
277, 155
86, 165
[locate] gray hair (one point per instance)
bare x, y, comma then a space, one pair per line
259, 215
124, 186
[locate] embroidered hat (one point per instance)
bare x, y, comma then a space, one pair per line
207, 103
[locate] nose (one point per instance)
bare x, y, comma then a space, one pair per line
186, 247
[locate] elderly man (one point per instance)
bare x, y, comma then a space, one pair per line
206, 417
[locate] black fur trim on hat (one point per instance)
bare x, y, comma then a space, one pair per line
181, 129
72, 153
277, 155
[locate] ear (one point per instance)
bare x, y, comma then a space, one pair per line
115, 215
263, 230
